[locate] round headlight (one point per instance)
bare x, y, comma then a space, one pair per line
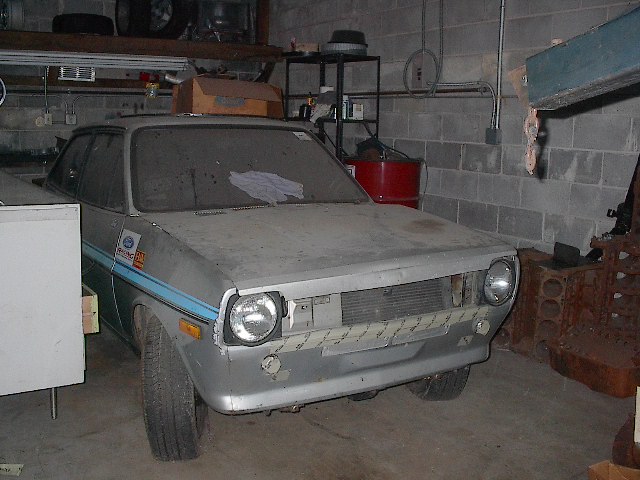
253, 318
499, 282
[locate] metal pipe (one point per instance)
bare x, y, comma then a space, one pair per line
402, 93
500, 60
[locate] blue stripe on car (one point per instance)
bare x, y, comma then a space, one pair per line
152, 285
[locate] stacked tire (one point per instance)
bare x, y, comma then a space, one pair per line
153, 18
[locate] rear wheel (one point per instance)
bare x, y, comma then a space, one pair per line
174, 413
442, 386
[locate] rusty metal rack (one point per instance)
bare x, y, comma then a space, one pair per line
603, 349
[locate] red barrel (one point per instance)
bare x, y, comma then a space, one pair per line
392, 180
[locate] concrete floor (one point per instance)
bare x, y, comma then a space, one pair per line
517, 419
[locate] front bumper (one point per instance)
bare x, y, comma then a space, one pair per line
336, 362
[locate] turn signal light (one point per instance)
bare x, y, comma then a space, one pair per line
190, 329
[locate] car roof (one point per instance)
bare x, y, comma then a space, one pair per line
134, 122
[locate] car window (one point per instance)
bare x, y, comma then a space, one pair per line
196, 168
65, 175
102, 177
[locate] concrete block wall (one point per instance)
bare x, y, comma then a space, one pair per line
588, 151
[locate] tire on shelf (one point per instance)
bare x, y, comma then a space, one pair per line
442, 386
132, 18
174, 413
82, 23
146, 18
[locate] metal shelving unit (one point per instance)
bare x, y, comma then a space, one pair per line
339, 60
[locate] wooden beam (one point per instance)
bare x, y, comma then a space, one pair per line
603, 59
62, 42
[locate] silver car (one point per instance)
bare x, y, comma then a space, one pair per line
253, 273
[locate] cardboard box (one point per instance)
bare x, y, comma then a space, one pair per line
90, 322
205, 95
609, 471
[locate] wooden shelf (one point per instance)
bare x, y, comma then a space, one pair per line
62, 42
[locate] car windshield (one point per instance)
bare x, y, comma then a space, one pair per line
181, 168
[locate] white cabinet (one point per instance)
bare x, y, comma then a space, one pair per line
41, 338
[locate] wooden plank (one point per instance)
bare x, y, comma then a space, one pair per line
62, 42
603, 59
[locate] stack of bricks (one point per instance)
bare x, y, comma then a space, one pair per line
551, 300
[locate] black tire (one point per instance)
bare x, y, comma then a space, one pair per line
359, 397
82, 23
132, 18
135, 18
174, 413
443, 386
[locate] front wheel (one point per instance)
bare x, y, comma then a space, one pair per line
442, 386
174, 413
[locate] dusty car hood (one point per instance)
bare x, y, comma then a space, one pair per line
287, 243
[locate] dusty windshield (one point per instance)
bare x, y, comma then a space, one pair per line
177, 168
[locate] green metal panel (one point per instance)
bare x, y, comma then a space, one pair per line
601, 60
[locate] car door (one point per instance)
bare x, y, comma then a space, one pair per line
101, 194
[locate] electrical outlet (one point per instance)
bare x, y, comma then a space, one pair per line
70, 119
40, 121
417, 72
48, 119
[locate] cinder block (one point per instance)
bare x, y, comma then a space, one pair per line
390, 75
82, 6
9, 141
577, 166
566, 26
38, 139
528, 32
464, 68
513, 162
480, 216
425, 125
590, 201
412, 148
546, 6
393, 124
512, 132
401, 20
380, 46
458, 184
481, 158
520, 223
472, 38
603, 132
555, 130
622, 104
543, 247
499, 189
38, 8
433, 176
517, 8
618, 10
617, 169
457, 13
548, 196
442, 207
410, 105
443, 155
570, 230
404, 45
464, 128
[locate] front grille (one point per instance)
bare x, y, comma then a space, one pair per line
399, 301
